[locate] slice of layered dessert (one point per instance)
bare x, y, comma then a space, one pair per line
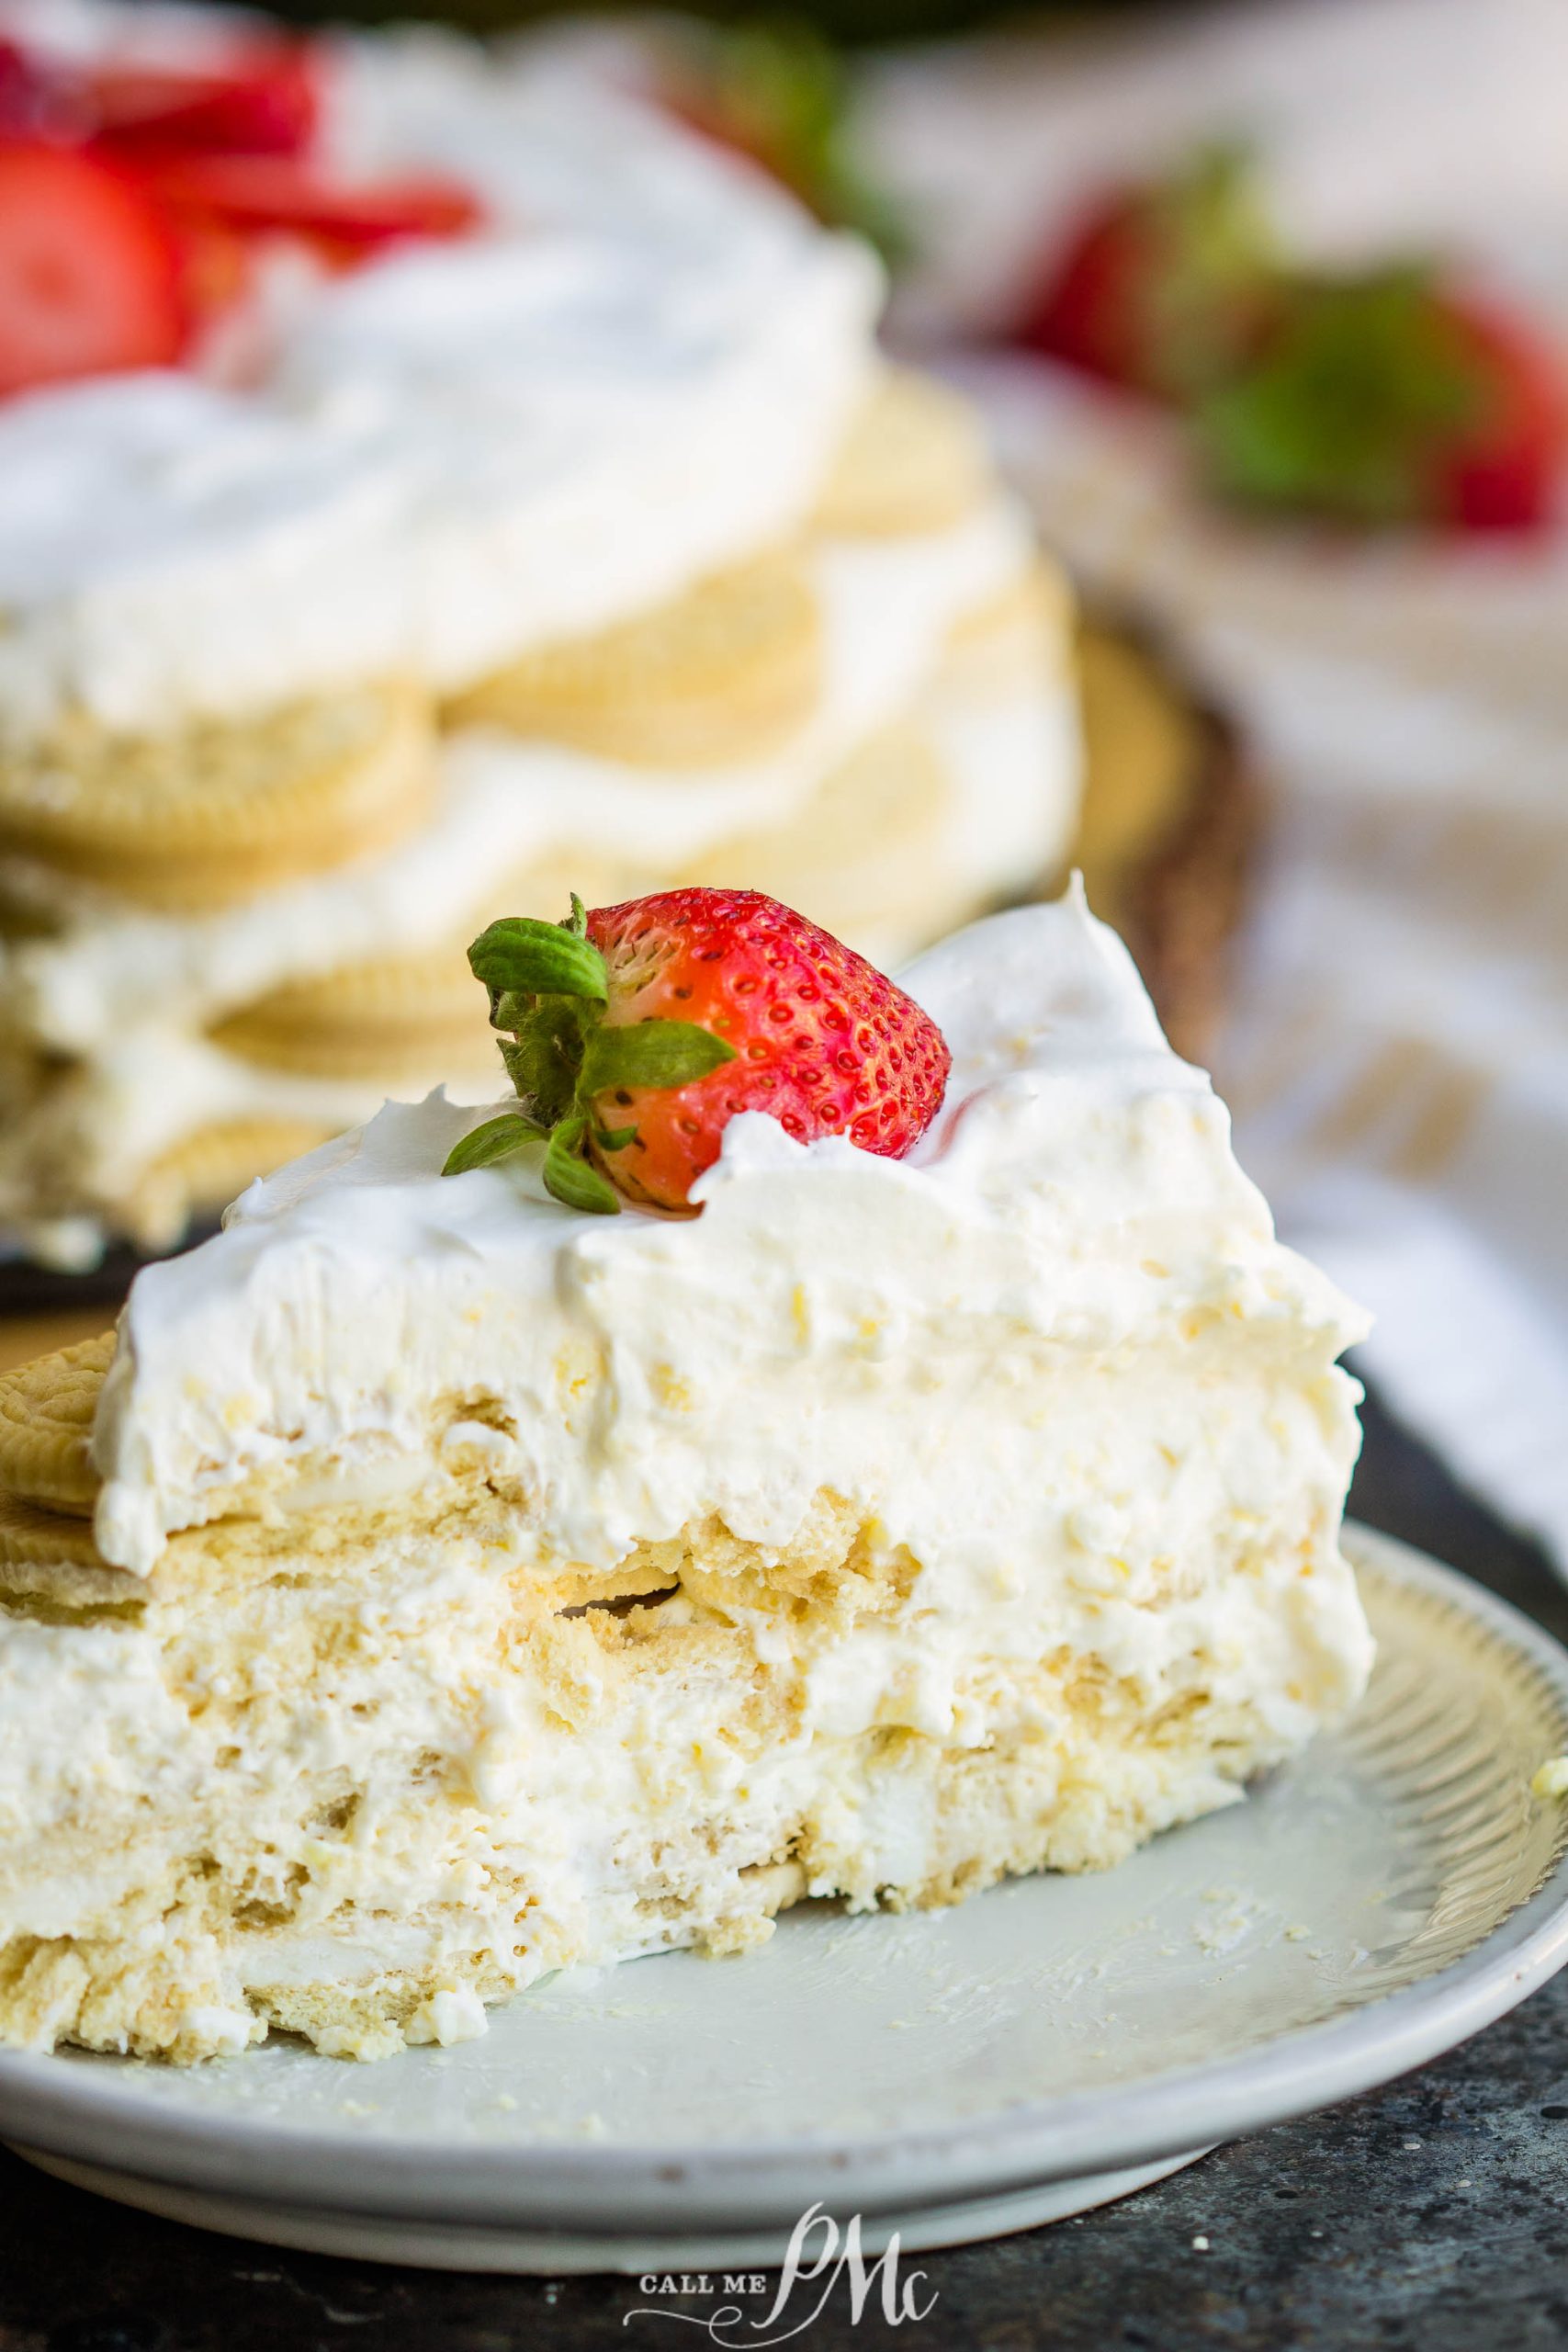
933, 1470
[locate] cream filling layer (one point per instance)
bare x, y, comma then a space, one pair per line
1192, 1566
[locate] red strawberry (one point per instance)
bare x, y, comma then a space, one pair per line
1089, 310
1386, 399
638, 1032
257, 193
217, 269
89, 270
1501, 472
1158, 286
263, 100
30, 96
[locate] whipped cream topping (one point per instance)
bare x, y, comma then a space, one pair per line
638, 374
930, 1339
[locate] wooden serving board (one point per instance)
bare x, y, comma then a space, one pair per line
1170, 822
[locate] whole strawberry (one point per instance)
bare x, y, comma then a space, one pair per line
1389, 397
1159, 286
634, 1034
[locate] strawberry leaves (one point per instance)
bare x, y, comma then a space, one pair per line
549, 991
1365, 380
496, 1139
649, 1053
1162, 287
521, 956
571, 1178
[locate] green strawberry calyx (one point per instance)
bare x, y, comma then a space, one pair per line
778, 90
1364, 378
1218, 262
549, 991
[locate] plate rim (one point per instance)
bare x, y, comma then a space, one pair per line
65, 2111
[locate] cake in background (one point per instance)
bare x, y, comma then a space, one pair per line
436, 477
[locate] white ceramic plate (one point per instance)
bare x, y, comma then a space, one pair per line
950, 2075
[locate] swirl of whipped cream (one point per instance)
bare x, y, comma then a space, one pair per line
639, 373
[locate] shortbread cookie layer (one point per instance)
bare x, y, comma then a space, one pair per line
1020, 635
417, 1859
869, 849
46, 1420
149, 1042
201, 1174
220, 812
926, 824
49, 1562
375, 1019
880, 854
724, 673
913, 460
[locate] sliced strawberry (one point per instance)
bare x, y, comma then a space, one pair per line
29, 95
218, 266
264, 100
638, 1033
257, 193
89, 271
1157, 287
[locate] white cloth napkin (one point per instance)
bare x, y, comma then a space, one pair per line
1397, 1059
1398, 1065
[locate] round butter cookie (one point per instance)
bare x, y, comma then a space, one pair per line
1022, 634
224, 810
914, 459
599, 876
46, 1424
382, 1019
47, 1557
204, 1172
723, 673
419, 1014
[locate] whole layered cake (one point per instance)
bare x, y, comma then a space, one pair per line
535, 502
932, 1470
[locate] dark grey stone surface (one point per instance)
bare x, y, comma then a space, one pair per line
1433, 2214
